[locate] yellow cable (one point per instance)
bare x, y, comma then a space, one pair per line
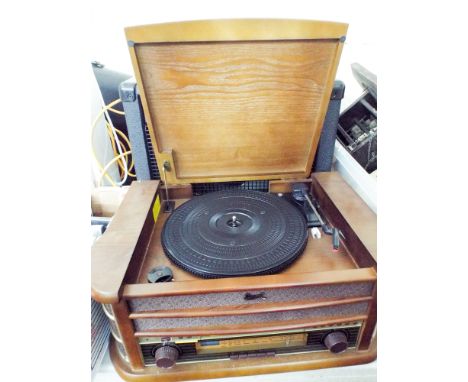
124, 137
101, 112
123, 165
118, 158
116, 111
111, 136
110, 163
107, 107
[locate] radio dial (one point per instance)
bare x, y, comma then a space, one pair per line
166, 356
336, 342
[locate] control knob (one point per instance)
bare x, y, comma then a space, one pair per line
336, 342
166, 356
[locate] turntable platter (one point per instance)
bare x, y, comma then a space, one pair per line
234, 233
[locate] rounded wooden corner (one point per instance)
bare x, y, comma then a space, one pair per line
104, 297
236, 30
122, 368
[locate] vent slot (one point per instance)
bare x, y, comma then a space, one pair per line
153, 164
255, 185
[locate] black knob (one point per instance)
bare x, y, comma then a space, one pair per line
166, 356
336, 342
160, 275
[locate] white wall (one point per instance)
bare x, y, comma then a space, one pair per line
108, 44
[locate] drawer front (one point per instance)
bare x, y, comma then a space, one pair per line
313, 314
207, 300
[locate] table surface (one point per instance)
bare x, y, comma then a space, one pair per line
359, 373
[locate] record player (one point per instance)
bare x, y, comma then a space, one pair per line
236, 281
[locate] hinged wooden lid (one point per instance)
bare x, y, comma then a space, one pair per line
235, 99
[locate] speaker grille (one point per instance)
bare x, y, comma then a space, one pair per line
147, 324
310, 293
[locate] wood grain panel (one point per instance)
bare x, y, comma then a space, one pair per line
247, 309
237, 109
249, 283
341, 202
271, 326
123, 241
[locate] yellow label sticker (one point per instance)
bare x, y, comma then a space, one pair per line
156, 208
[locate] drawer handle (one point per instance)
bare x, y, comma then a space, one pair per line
255, 296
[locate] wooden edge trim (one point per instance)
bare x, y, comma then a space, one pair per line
178, 191
245, 329
235, 30
246, 309
248, 283
363, 254
370, 323
231, 178
245, 367
127, 334
285, 185
111, 254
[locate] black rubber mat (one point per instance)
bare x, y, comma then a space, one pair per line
234, 233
